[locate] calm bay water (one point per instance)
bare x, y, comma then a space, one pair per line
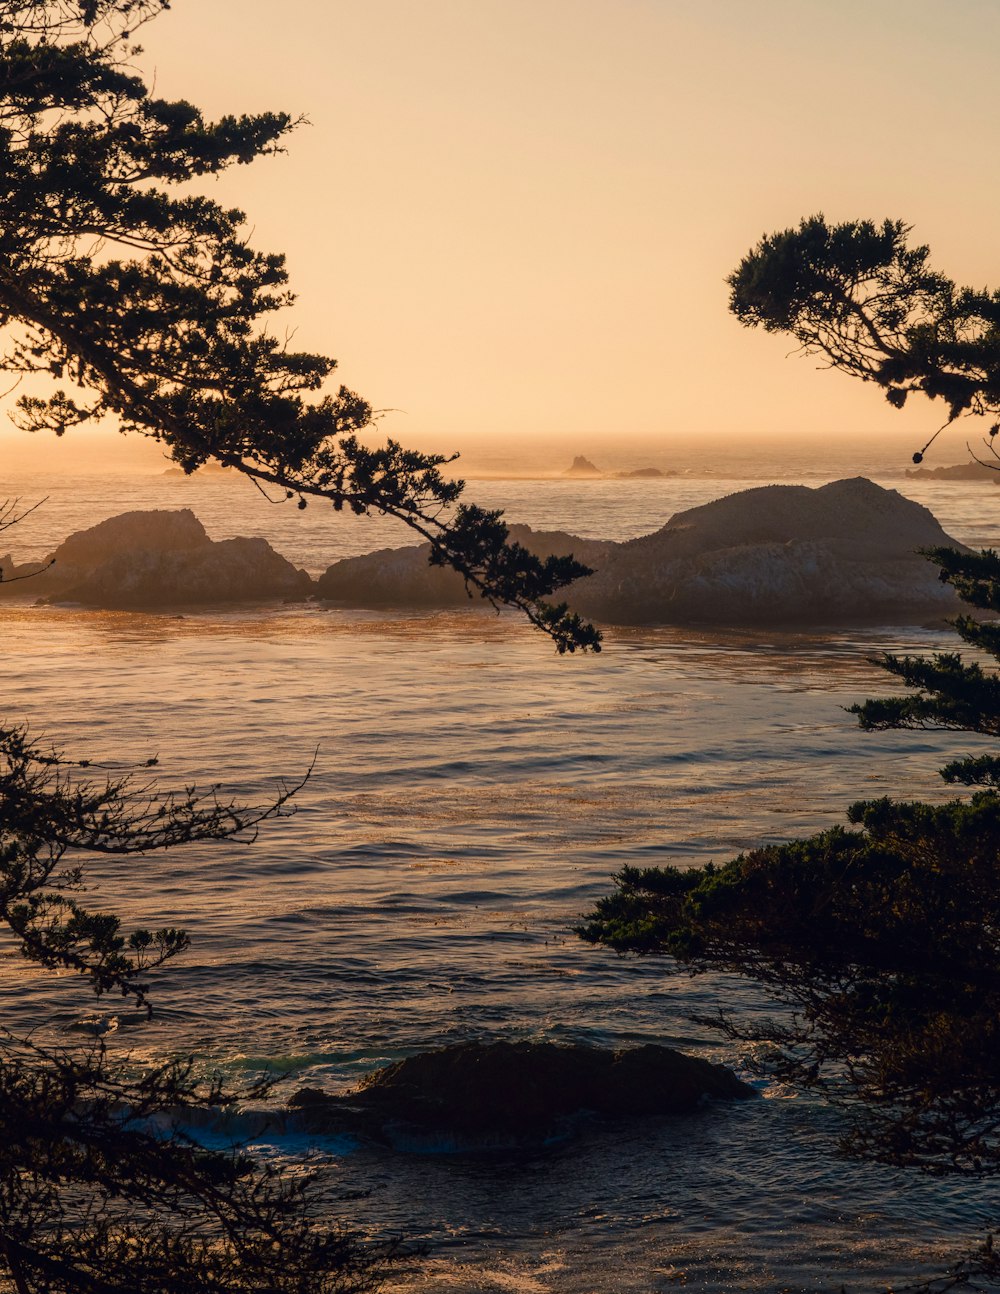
472, 795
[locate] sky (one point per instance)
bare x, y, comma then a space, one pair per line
514, 218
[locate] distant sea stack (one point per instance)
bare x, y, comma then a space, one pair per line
209, 469
582, 467
959, 472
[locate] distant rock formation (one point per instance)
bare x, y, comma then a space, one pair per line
778, 554
403, 577
582, 467
159, 558
205, 471
641, 473
472, 1095
959, 472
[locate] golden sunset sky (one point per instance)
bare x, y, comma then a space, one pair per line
515, 217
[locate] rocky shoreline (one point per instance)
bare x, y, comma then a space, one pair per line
789, 555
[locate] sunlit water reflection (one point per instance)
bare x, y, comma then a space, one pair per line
472, 795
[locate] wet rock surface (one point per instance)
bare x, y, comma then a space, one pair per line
488, 1094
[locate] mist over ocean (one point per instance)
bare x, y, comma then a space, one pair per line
472, 795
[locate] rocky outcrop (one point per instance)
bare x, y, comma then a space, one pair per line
403, 577
959, 472
161, 558
160, 531
582, 467
505, 1093
845, 553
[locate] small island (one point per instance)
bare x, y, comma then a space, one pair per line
959, 472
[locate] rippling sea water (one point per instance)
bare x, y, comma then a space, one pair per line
471, 797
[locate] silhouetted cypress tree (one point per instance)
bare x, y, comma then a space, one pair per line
143, 303
949, 692
146, 297
882, 941
101, 1187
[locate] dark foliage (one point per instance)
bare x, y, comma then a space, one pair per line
101, 1189
881, 941
884, 941
147, 300
948, 691
859, 296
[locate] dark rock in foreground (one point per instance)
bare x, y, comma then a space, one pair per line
160, 558
501, 1093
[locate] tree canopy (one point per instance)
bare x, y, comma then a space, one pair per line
103, 1189
880, 941
859, 296
126, 296
145, 305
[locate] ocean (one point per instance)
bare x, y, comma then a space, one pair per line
472, 794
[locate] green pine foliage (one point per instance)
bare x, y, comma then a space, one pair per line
881, 942
947, 691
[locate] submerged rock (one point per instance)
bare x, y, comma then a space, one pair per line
778, 554
474, 1095
162, 558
